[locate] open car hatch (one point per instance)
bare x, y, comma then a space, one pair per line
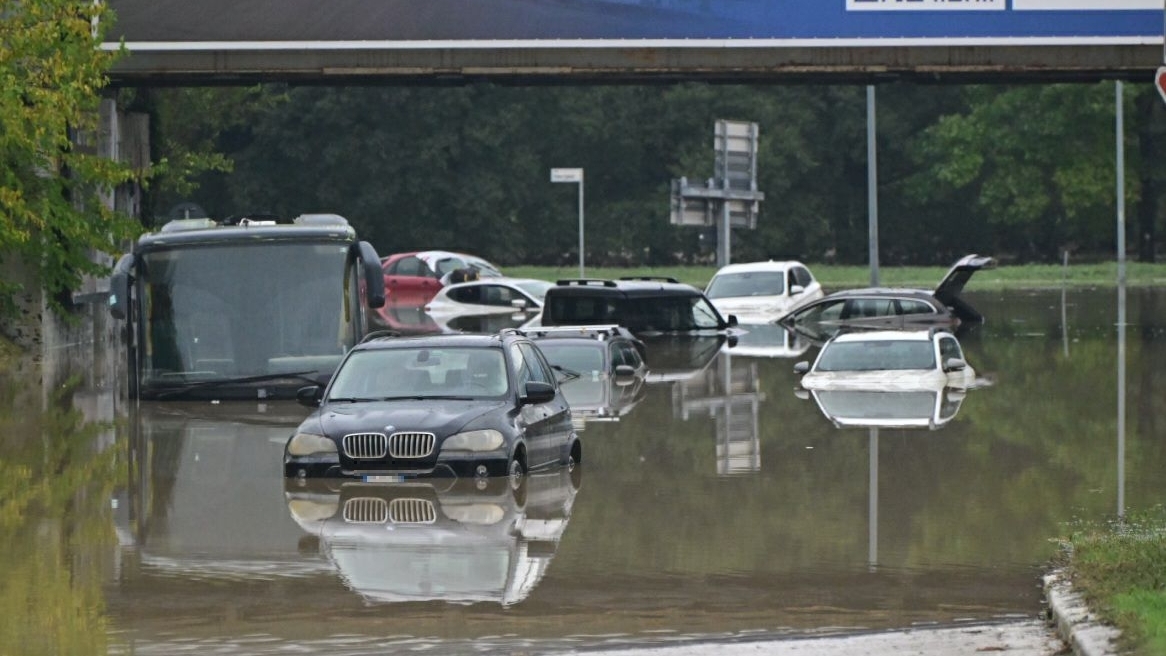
949, 289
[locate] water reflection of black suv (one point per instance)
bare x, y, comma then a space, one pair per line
644, 306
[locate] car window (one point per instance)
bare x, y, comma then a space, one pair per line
914, 307
825, 311
868, 307
469, 294
703, 314
409, 266
803, 276
581, 310
624, 353
537, 366
949, 348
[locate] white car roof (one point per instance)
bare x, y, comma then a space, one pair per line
884, 336
769, 265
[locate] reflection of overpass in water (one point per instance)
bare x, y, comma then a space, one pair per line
731, 395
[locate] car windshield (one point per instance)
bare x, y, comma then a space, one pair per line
581, 359
536, 288
420, 372
747, 283
213, 313
877, 355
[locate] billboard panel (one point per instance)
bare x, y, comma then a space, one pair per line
227, 41
286, 21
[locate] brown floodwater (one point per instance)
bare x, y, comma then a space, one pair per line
712, 503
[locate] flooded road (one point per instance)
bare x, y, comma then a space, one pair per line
713, 503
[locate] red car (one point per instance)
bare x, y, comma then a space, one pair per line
411, 279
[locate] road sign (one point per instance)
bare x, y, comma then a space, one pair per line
1160, 81
566, 175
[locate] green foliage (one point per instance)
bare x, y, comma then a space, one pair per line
1118, 567
55, 526
1035, 162
1024, 173
52, 183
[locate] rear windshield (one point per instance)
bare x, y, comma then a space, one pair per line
641, 314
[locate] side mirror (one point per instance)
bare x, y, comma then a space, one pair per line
731, 321
803, 394
119, 287
310, 395
374, 275
518, 303
954, 364
801, 367
538, 392
796, 289
623, 371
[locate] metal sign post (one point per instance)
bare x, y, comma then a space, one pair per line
573, 175
730, 199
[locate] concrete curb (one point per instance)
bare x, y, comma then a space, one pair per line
1082, 630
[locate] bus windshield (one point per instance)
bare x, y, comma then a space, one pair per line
228, 312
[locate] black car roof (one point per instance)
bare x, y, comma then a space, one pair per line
625, 287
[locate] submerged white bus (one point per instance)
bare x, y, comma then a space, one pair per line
249, 308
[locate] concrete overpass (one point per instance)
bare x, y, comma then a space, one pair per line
177, 42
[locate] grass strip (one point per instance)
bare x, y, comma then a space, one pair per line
1119, 568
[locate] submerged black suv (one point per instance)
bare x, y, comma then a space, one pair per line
645, 306
439, 405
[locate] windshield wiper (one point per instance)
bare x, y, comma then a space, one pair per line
570, 374
242, 380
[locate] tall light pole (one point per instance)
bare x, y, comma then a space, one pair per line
573, 175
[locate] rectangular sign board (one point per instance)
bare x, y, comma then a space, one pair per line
179, 41
566, 175
314, 24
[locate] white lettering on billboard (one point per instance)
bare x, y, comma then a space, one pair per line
926, 5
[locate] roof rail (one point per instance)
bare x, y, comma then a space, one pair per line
380, 334
585, 281
255, 218
601, 330
179, 225
320, 219
651, 278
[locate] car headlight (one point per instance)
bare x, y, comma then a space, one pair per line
308, 444
478, 440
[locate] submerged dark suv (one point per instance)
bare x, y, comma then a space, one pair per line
439, 405
645, 306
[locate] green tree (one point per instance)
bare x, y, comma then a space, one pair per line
1034, 165
51, 182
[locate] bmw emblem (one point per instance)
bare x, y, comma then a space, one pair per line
389, 429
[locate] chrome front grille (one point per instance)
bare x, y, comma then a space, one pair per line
365, 445
412, 511
366, 510
411, 445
